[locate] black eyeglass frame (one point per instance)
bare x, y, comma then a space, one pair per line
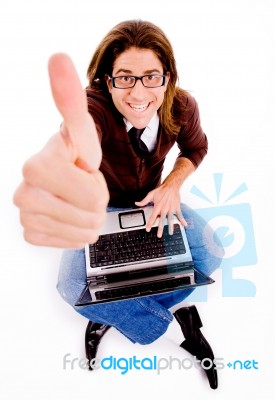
113, 78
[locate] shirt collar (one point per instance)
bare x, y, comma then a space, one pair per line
153, 124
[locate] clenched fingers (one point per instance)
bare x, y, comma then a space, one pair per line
36, 201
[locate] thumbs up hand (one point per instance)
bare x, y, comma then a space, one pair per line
63, 196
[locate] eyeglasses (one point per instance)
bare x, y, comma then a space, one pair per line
148, 81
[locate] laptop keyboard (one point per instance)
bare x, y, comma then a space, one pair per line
135, 245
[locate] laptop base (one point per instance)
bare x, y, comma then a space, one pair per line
134, 290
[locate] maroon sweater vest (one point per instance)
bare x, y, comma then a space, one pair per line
129, 177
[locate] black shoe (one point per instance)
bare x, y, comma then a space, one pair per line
93, 335
195, 343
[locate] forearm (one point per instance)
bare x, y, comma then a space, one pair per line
166, 197
182, 169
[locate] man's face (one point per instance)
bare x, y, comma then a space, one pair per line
138, 104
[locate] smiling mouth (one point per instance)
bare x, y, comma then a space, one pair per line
139, 107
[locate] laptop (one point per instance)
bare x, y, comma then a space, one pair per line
128, 262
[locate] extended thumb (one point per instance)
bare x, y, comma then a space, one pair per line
70, 99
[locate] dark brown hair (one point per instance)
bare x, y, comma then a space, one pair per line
144, 35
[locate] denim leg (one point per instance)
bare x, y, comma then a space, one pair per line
142, 320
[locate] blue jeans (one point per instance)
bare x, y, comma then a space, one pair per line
145, 319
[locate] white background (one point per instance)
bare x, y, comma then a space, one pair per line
225, 57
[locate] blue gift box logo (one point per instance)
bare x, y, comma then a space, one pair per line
233, 225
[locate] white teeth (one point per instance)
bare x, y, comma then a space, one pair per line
139, 107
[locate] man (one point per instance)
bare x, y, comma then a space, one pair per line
96, 161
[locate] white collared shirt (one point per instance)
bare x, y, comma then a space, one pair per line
150, 134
